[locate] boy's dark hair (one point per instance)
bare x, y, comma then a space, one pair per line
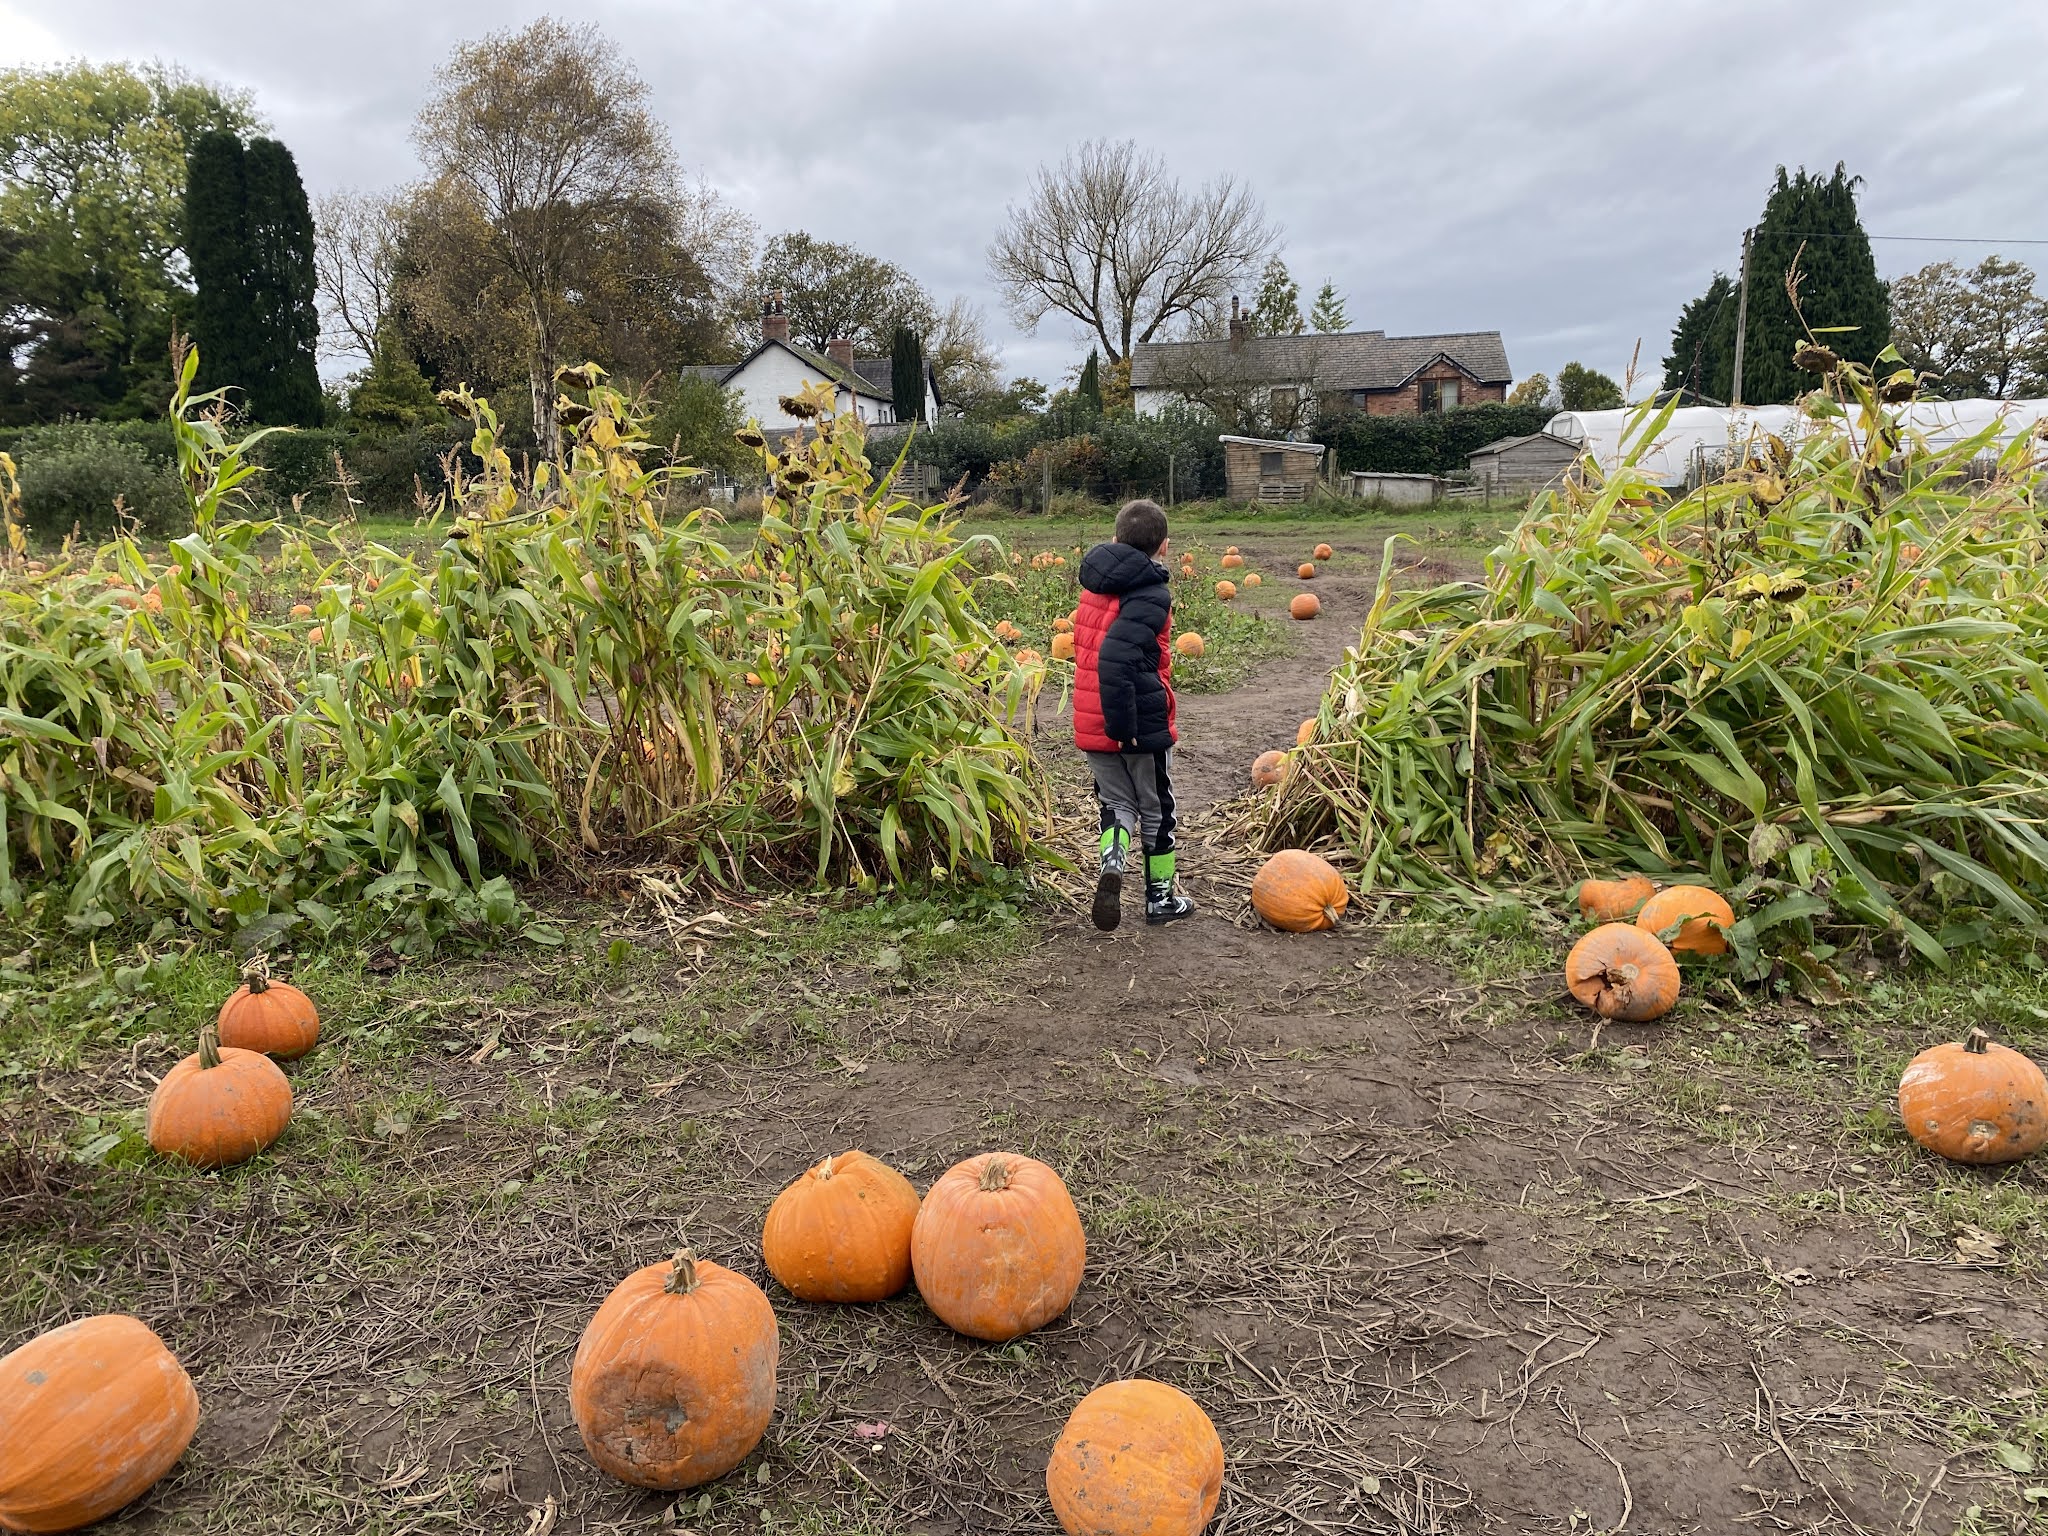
1142, 525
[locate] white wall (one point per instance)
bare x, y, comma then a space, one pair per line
777, 372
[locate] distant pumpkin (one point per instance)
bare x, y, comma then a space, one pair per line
1190, 645
1305, 571
1324, 552
1268, 769
1231, 561
301, 611
1305, 732
1701, 915
1226, 590
1614, 901
1063, 646
1306, 605
1251, 578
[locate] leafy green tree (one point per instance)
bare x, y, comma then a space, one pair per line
392, 395
1971, 333
1277, 309
217, 237
1580, 388
696, 424
906, 374
1534, 390
833, 290
1700, 357
92, 193
1327, 315
1088, 389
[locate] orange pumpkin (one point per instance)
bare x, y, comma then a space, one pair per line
219, 1105
315, 635
91, 1415
1622, 972
1063, 626
301, 611
674, 1380
1305, 733
997, 1247
1306, 605
1137, 1458
1700, 915
273, 1017
1305, 571
1252, 578
1190, 644
1324, 552
1977, 1102
1231, 561
1268, 769
1028, 657
1006, 631
1063, 646
841, 1232
1614, 901
1231, 550
1299, 892
1226, 590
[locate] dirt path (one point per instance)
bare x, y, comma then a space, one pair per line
1432, 1264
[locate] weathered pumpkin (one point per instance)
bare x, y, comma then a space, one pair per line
1268, 769
273, 1017
91, 1415
1226, 590
1231, 561
1063, 646
1028, 657
1252, 578
315, 635
1063, 625
1299, 892
1189, 644
1305, 732
1614, 901
997, 1247
1137, 1458
1324, 552
841, 1231
219, 1105
674, 1379
1623, 972
1975, 1102
1306, 605
1305, 571
1701, 916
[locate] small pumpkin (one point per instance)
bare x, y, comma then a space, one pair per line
1299, 892
1702, 917
1268, 769
1189, 644
841, 1231
1974, 1102
1231, 561
1324, 552
1028, 657
997, 1247
1137, 1458
273, 1017
91, 1415
1305, 732
219, 1105
315, 635
301, 611
1231, 550
674, 1378
1226, 590
1252, 578
1614, 901
1306, 605
1006, 631
1063, 626
1623, 972
1305, 571
1063, 646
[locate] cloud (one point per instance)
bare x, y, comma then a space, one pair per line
1569, 173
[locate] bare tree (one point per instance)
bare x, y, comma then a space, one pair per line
958, 348
544, 129
356, 264
1110, 237
1263, 391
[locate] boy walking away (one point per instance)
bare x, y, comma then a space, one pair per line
1123, 709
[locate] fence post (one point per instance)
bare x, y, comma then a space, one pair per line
1169, 477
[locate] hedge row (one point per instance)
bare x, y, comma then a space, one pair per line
1425, 445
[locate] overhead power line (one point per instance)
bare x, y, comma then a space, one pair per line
1830, 234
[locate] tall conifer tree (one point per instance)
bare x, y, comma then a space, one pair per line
906, 373
217, 248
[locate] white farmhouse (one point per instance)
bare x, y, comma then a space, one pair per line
779, 367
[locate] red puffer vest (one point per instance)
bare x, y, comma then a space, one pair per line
1123, 653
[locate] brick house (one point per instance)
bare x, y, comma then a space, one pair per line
1281, 385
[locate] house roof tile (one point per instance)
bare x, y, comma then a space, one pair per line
1355, 360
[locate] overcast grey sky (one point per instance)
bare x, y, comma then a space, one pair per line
1566, 173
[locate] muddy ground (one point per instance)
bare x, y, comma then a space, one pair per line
1433, 1257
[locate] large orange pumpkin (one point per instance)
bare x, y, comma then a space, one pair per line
1268, 769
1298, 892
1306, 605
1189, 644
841, 1232
1701, 916
1063, 645
1226, 590
91, 1415
1252, 578
273, 1017
1614, 901
1623, 972
997, 1247
1305, 571
674, 1380
219, 1105
1324, 552
1231, 561
1977, 1102
1137, 1458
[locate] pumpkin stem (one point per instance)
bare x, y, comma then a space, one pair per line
209, 1048
256, 974
683, 1278
995, 1175
825, 1168
1976, 1041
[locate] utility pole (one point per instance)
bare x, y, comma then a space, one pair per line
1741, 319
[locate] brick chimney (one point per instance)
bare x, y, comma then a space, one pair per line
1240, 325
774, 318
840, 350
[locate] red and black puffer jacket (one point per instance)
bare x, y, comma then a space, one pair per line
1123, 653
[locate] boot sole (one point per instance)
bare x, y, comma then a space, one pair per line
1161, 919
1109, 901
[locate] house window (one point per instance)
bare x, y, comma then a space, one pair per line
1438, 395
1358, 399
1282, 401
1270, 464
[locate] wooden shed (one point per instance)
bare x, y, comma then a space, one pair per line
1267, 469
1522, 463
